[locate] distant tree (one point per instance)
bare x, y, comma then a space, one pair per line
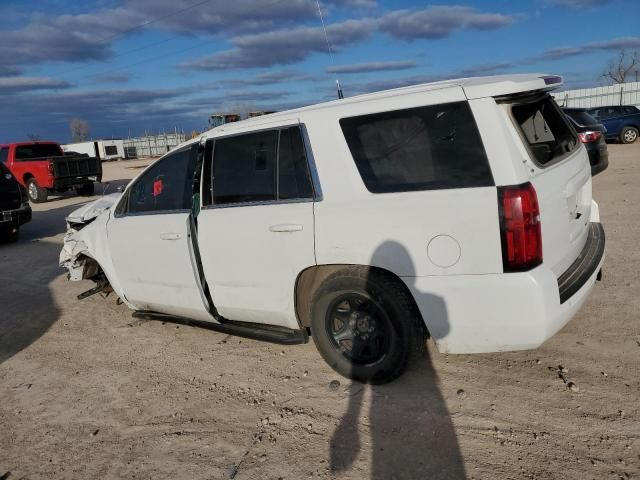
79, 130
34, 137
624, 68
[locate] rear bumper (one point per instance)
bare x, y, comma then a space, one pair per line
15, 218
585, 265
69, 182
502, 312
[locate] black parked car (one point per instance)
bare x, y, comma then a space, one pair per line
14, 205
592, 134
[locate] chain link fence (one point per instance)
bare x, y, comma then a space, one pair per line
152, 145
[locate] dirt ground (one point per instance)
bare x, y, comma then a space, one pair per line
86, 391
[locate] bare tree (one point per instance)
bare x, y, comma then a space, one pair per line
79, 130
625, 68
34, 137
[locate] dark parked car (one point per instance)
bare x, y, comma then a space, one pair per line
14, 205
622, 121
592, 133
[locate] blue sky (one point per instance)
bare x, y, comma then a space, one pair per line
151, 65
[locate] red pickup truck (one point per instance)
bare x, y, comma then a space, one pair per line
42, 167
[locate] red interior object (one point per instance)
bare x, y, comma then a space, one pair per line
157, 187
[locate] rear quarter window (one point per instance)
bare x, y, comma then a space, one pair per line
424, 148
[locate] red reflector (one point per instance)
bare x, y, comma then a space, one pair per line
589, 136
50, 168
520, 227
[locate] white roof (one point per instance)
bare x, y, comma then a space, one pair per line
474, 87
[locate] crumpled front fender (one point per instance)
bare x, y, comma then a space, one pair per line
85, 252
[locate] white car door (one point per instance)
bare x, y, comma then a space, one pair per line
256, 228
150, 239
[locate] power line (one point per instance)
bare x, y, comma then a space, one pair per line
153, 20
121, 33
164, 55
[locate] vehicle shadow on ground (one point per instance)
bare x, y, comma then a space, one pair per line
27, 267
47, 223
411, 432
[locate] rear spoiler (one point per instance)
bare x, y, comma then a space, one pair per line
510, 86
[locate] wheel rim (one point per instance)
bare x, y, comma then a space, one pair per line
630, 136
33, 190
359, 329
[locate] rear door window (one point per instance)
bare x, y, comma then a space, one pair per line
294, 180
259, 167
244, 168
544, 128
424, 148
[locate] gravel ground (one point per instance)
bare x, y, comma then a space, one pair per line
86, 391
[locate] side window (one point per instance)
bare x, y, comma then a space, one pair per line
255, 167
165, 186
4, 154
425, 148
244, 168
294, 180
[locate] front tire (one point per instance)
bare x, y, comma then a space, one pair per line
629, 135
85, 190
35, 192
365, 325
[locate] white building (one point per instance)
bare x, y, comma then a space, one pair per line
102, 149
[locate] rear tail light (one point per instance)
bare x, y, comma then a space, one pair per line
50, 168
589, 136
520, 227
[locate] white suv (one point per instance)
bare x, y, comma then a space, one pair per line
461, 210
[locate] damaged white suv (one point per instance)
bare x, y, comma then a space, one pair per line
461, 210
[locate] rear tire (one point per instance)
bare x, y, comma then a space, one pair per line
85, 190
365, 325
629, 135
35, 192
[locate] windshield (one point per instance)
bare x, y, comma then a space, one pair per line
37, 150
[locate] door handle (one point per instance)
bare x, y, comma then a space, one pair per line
170, 236
286, 227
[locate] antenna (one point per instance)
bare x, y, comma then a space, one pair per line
326, 38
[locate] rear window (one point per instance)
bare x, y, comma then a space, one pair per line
581, 118
545, 129
425, 148
27, 152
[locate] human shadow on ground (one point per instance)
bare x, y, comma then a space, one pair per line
411, 432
